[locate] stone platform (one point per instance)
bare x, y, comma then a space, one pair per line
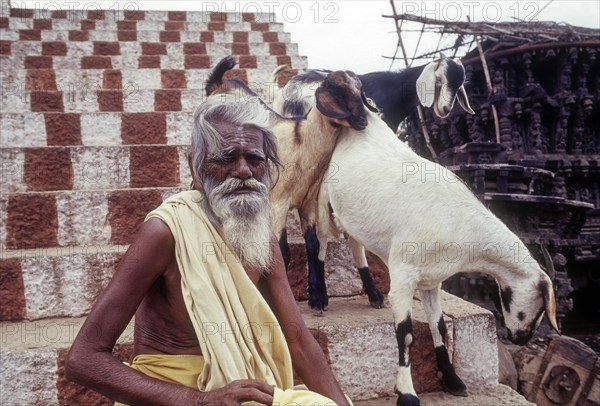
358, 340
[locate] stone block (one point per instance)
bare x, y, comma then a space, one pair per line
101, 129
28, 378
82, 219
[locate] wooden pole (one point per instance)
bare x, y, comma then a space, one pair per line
490, 88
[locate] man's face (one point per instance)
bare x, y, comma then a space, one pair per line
241, 157
235, 183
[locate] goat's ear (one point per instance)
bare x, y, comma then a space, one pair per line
331, 106
426, 84
549, 301
463, 100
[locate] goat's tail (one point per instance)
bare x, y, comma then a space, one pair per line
276, 72
215, 78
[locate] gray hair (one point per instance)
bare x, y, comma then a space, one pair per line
207, 140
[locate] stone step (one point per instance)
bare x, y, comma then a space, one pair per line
497, 395
40, 220
129, 100
104, 129
212, 13
58, 271
358, 340
124, 31
151, 43
142, 164
94, 168
81, 82
90, 100
123, 60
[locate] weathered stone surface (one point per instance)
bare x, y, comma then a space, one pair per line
18, 130
475, 352
63, 129
173, 79
127, 209
11, 175
48, 169
167, 100
144, 128
100, 168
66, 285
498, 395
28, 378
12, 296
153, 166
179, 128
352, 327
31, 221
101, 129
341, 275
507, 372
82, 218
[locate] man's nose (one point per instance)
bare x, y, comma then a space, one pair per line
242, 169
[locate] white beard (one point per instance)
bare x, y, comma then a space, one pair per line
245, 219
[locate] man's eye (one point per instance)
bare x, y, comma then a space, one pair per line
256, 160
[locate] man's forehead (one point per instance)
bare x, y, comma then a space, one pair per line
234, 133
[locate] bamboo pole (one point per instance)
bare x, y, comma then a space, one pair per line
490, 88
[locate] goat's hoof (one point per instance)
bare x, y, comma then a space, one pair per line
376, 299
318, 305
454, 385
459, 392
317, 308
407, 400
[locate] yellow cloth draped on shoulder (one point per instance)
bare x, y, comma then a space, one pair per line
239, 335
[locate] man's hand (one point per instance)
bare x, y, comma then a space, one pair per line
236, 392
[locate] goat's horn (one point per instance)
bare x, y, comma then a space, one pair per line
548, 291
551, 271
549, 301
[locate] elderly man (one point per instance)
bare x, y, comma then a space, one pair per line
215, 319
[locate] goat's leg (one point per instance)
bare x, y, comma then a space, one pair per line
435, 319
401, 296
317, 288
369, 287
285, 248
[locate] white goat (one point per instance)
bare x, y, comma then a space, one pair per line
304, 146
426, 225
437, 84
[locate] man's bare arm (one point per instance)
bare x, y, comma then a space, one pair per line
90, 361
307, 356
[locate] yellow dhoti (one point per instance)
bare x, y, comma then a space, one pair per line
185, 369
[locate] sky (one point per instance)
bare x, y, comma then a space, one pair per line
353, 35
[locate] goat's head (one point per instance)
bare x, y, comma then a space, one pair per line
442, 82
523, 304
340, 98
